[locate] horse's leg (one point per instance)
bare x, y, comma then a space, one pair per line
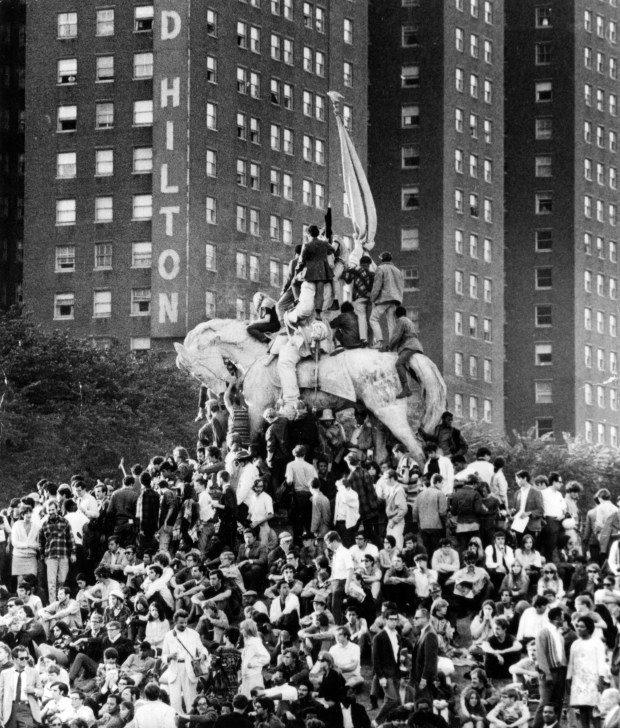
394, 417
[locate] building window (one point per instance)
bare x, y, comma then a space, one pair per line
211, 209
410, 198
544, 426
255, 39
543, 355
212, 23
142, 160
544, 278
105, 22
242, 219
66, 119
347, 74
458, 323
254, 222
458, 120
488, 250
458, 39
141, 255
319, 152
64, 306
458, 161
544, 203
67, 27
459, 80
104, 162
211, 163
458, 242
143, 66
287, 231
65, 212
473, 408
104, 115
143, 112
65, 258
140, 301
274, 273
487, 330
544, 128
275, 227
288, 54
143, 18
67, 71
410, 116
458, 282
411, 277
66, 165
347, 31
473, 165
254, 268
542, 53
458, 201
212, 120
488, 290
241, 267
543, 91
410, 76
102, 304
473, 367
543, 166
458, 364
104, 68
104, 211
543, 392
543, 16
473, 285
488, 370
410, 36
409, 239
287, 186
142, 208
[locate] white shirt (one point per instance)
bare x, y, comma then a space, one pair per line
77, 521
155, 714
342, 563
347, 658
531, 623
246, 480
260, 506
276, 610
523, 497
482, 468
88, 505
394, 640
205, 504
554, 505
357, 554
347, 506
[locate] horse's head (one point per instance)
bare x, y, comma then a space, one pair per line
210, 345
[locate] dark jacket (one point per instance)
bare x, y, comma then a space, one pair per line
314, 259
362, 279
405, 337
359, 716
457, 443
384, 663
148, 511
347, 329
277, 441
425, 654
467, 505
533, 506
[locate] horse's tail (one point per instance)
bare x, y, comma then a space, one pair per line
434, 391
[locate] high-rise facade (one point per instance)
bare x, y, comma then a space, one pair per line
176, 151
12, 87
436, 168
561, 222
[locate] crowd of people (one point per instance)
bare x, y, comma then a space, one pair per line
294, 581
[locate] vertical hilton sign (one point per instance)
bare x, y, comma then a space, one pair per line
170, 236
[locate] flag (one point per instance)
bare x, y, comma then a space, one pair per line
359, 196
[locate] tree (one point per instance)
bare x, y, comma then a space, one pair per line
594, 466
69, 406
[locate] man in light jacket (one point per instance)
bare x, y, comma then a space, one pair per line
386, 295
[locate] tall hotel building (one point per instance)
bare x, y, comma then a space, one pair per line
436, 168
12, 87
561, 221
176, 150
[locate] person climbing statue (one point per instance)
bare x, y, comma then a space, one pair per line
405, 341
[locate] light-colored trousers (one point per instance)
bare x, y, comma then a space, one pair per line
378, 311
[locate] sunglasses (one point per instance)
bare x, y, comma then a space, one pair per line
592, 571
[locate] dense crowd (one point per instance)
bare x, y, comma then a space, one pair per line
294, 581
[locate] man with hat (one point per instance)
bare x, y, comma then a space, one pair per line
251, 601
116, 610
386, 295
362, 279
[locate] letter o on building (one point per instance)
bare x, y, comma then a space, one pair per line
169, 271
